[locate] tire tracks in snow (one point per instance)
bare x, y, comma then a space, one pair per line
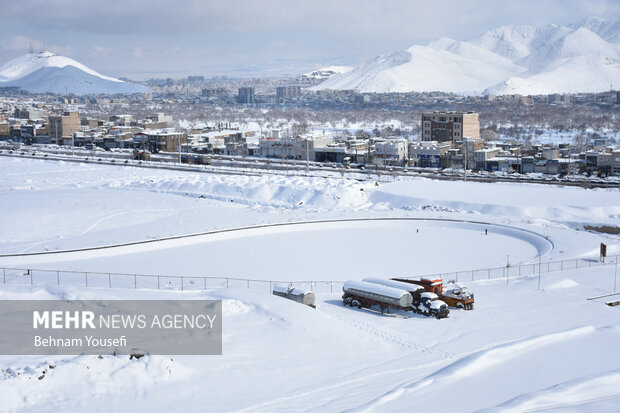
391, 337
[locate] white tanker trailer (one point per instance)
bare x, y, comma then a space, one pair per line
390, 293
414, 290
364, 294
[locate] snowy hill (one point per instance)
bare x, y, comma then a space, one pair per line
46, 72
326, 72
583, 57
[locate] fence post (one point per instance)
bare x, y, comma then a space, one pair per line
30, 271
109, 280
539, 259
205, 281
4, 275
615, 273
227, 282
472, 275
331, 287
86, 279
561, 265
489, 272
248, 283
158, 283
519, 271
182, 279
135, 281
58, 277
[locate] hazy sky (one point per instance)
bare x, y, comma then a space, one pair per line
139, 38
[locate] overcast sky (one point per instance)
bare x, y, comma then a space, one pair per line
139, 38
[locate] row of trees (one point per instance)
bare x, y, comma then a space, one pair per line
513, 120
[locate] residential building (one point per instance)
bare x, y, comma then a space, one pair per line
29, 113
427, 154
469, 146
482, 157
449, 126
391, 151
615, 162
246, 95
285, 92
63, 126
161, 140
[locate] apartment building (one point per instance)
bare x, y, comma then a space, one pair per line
246, 95
63, 126
449, 126
284, 92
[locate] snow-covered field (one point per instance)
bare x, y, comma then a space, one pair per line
520, 350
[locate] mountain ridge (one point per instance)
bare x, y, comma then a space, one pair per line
520, 59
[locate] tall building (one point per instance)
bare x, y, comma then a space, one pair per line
449, 126
283, 92
246, 95
195, 78
63, 126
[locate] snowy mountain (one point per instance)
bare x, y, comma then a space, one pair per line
46, 72
582, 57
326, 72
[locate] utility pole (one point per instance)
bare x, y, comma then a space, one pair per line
465, 160
615, 273
307, 155
539, 266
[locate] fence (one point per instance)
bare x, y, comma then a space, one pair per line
151, 282
191, 283
524, 270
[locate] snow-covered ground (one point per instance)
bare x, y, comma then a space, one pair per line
520, 350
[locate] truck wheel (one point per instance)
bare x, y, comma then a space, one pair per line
356, 303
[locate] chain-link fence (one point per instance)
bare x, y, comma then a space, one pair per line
194, 283
524, 270
152, 282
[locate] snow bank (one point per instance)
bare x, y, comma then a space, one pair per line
563, 284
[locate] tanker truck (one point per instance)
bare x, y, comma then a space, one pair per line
424, 303
364, 294
387, 294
